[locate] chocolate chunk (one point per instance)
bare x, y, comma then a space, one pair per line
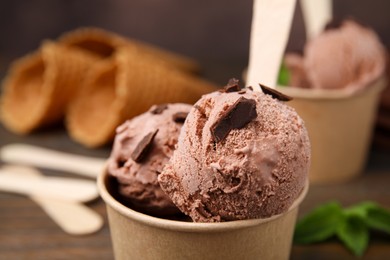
158, 109
232, 86
275, 94
143, 147
180, 117
237, 116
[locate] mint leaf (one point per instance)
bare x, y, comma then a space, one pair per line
284, 75
375, 216
319, 224
353, 232
378, 218
351, 225
360, 210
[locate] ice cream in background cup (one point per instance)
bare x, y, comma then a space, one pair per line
237, 172
335, 87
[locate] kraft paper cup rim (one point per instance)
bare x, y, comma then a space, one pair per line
184, 226
334, 94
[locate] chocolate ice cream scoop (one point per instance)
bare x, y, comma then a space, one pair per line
241, 154
349, 56
142, 146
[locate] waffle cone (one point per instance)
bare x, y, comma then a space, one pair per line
39, 86
124, 87
104, 44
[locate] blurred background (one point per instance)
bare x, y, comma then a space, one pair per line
216, 33
210, 31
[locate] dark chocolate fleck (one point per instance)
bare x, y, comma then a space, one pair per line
143, 147
275, 94
250, 88
121, 163
200, 109
242, 91
158, 109
232, 86
237, 116
180, 117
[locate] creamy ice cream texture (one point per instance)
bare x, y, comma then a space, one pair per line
142, 146
241, 154
348, 56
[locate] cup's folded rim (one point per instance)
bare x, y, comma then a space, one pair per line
183, 225
331, 94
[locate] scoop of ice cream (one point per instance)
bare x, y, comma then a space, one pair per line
349, 56
296, 69
142, 146
241, 154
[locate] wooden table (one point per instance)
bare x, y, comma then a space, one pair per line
26, 232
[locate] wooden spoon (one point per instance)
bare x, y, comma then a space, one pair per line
51, 159
271, 23
74, 190
316, 15
74, 218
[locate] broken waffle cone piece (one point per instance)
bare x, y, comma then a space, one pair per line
121, 88
39, 86
104, 44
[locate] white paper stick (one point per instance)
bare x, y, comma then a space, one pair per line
51, 159
74, 218
53, 187
316, 14
271, 23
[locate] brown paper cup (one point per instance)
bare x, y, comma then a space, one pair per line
138, 236
104, 44
340, 125
118, 89
39, 87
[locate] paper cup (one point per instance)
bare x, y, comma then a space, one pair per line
340, 125
138, 236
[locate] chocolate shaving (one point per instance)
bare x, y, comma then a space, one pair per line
275, 94
237, 116
158, 109
180, 117
232, 86
242, 91
250, 88
143, 147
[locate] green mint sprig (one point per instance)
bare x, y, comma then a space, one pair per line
350, 225
283, 76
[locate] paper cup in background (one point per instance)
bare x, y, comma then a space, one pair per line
138, 236
340, 126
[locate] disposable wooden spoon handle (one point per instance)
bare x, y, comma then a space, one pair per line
73, 218
50, 159
315, 15
54, 187
271, 23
